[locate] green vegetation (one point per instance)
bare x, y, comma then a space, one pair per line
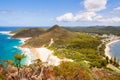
114, 61
28, 32
81, 48
88, 64
72, 71
1, 77
97, 30
58, 34
18, 58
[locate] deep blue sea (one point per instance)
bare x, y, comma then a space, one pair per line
115, 49
8, 45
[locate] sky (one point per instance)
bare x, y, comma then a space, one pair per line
61, 12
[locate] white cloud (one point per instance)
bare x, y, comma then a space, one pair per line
5, 11
13, 12
95, 5
90, 13
117, 9
86, 16
100, 18
82, 16
66, 17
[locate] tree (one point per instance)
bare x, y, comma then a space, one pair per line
107, 59
18, 58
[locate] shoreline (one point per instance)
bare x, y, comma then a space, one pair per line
42, 53
107, 48
7, 33
23, 39
25, 51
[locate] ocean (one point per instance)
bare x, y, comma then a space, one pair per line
115, 50
8, 45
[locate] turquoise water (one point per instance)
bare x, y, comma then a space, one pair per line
8, 47
115, 50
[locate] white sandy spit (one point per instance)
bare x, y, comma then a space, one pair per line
6, 32
24, 39
44, 54
29, 55
47, 56
107, 49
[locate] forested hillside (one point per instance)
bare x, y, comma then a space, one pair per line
80, 47
97, 30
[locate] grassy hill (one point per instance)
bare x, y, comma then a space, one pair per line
28, 32
74, 45
58, 34
78, 46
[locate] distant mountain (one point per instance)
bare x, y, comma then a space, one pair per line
97, 30
58, 34
28, 32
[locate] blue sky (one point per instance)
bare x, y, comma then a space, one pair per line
62, 12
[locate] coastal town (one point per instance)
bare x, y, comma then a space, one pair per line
109, 40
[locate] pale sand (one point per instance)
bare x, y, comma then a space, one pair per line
29, 55
24, 39
107, 49
113, 68
6, 32
47, 56
44, 54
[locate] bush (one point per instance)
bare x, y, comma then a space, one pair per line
72, 71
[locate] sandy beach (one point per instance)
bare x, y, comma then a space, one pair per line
47, 56
107, 49
42, 53
24, 39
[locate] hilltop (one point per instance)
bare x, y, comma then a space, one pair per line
57, 33
80, 47
28, 32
